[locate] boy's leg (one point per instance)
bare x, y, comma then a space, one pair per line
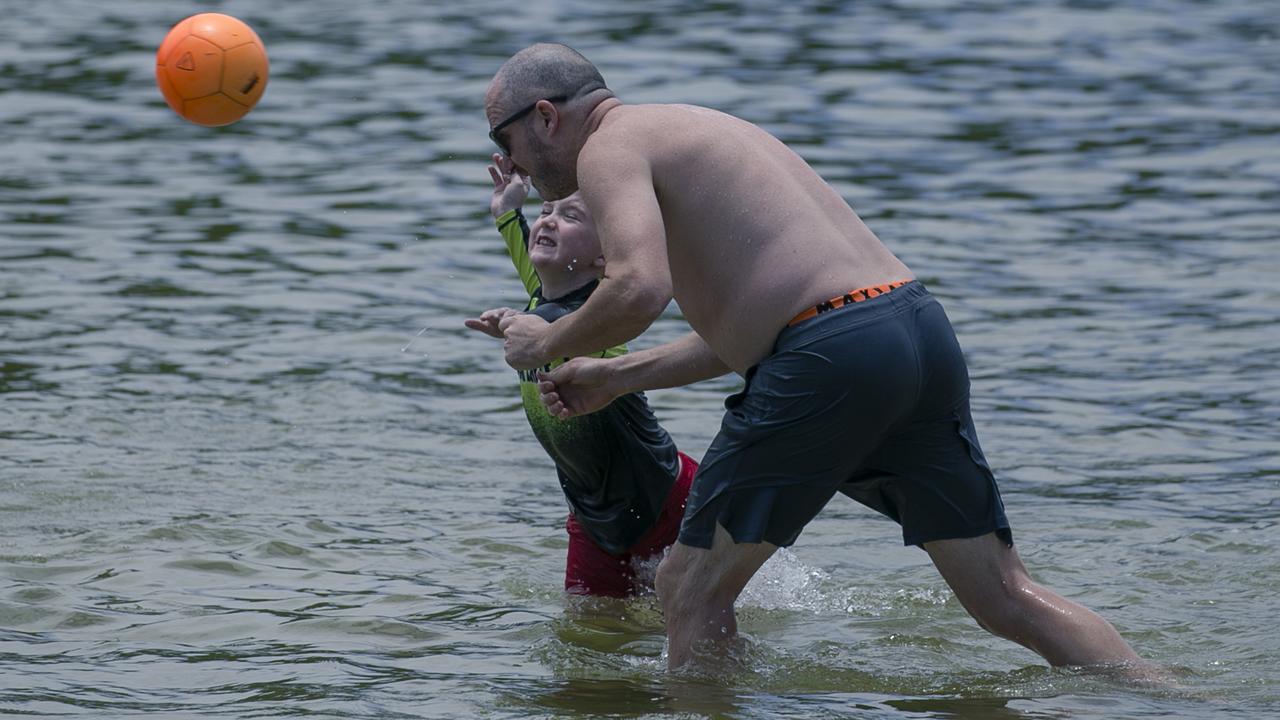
992, 584
589, 570
667, 525
697, 589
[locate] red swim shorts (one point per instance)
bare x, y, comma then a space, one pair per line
589, 570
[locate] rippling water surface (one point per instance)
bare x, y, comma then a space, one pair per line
251, 463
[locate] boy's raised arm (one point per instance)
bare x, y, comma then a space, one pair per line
509, 192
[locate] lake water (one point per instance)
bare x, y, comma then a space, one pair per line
251, 463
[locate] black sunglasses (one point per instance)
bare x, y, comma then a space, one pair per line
493, 132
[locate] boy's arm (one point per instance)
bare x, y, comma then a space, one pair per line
510, 189
515, 233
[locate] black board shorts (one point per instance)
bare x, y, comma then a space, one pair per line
870, 400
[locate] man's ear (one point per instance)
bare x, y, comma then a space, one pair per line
547, 115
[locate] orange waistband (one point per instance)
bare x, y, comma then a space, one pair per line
853, 296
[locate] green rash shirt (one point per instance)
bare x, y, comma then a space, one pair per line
615, 465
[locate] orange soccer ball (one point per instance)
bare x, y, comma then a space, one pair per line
211, 69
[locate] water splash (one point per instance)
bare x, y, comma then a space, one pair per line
412, 339
782, 583
786, 583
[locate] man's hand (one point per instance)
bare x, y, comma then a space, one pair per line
524, 334
489, 320
510, 188
578, 387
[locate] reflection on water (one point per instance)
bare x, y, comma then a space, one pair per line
251, 463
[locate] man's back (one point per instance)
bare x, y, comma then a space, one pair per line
754, 235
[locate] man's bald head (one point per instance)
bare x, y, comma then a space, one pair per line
537, 72
564, 90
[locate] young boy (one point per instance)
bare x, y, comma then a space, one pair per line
624, 480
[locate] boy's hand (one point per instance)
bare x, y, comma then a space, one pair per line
489, 320
510, 188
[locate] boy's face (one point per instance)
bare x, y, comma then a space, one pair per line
563, 238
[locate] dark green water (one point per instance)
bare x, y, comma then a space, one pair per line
251, 463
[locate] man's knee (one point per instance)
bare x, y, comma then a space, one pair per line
1013, 604
697, 577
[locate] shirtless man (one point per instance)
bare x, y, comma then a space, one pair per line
854, 380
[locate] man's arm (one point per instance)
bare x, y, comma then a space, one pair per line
636, 288
585, 385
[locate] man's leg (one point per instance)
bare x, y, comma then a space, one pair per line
991, 583
697, 589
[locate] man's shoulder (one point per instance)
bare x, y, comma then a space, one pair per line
626, 119
646, 131
622, 128
628, 137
